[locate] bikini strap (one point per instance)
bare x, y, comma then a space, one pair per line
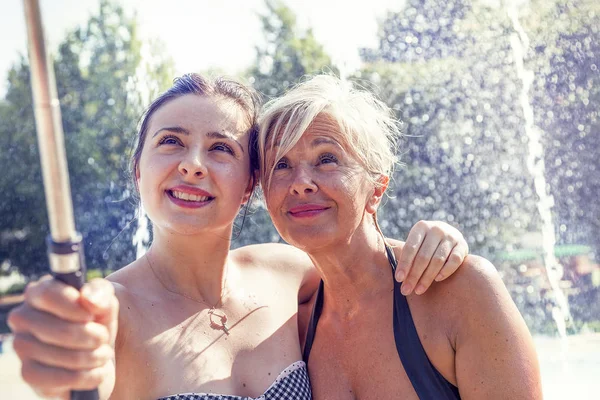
312, 325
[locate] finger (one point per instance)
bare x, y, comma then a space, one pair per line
53, 394
54, 331
28, 347
435, 266
422, 259
99, 297
47, 379
56, 298
455, 259
411, 248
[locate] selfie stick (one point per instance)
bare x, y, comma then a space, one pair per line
65, 249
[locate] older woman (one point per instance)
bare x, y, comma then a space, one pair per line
326, 152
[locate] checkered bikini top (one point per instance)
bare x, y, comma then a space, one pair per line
292, 383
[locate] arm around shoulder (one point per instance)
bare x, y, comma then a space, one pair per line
495, 354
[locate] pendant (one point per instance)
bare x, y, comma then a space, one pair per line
222, 324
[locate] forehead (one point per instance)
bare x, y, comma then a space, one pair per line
201, 113
323, 126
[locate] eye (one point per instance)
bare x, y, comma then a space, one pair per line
327, 158
220, 146
169, 140
281, 164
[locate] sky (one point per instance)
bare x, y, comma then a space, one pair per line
203, 34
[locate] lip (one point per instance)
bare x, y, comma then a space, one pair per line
189, 190
307, 210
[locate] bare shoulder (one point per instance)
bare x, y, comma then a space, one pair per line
474, 290
129, 282
276, 256
474, 287
495, 354
284, 261
129, 279
478, 271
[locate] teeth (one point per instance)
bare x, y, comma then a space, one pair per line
189, 197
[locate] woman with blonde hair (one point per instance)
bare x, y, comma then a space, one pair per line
326, 153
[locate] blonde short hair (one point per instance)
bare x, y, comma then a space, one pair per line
368, 126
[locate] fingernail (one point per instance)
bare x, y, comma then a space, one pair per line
439, 277
420, 289
406, 289
400, 275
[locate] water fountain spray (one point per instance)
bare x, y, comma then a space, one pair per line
519, 42
141, 238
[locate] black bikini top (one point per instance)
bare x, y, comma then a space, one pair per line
426, 380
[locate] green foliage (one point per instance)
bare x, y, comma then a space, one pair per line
102, 88
287, 55
15, 288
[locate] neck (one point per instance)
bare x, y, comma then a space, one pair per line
193, 266
355, 270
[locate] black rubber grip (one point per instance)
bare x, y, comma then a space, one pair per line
75, 279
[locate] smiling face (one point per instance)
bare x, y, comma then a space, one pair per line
319, 194
193, 173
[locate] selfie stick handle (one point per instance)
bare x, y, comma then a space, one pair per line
64, 243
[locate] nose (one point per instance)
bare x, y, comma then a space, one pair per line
302, 182
192, 165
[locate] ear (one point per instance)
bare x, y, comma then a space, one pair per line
250, 188
378, 191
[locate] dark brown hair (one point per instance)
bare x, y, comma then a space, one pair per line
246, 98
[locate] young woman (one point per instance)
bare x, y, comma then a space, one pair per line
194, 317
326, 152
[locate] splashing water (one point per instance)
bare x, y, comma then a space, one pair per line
535, 164
141, 238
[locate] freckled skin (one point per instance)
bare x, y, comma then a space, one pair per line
468, 325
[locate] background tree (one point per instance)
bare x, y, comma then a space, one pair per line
98, 69
287, 54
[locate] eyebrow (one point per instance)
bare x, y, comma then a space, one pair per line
324, 140
212, 135
227, 135
175, 129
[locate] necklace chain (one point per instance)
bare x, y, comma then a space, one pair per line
213, 315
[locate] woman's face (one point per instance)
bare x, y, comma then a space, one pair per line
193, 172
319, 193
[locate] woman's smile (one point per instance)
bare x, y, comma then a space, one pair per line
307, 210
189, 197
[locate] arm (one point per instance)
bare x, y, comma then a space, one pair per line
495, 356
65, 338
433, 251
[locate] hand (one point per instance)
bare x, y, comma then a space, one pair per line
64, 337
433, 251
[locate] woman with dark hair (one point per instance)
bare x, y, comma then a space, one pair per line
194, 317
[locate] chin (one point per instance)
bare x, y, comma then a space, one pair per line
310, 241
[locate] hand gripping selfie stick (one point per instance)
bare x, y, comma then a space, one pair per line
64, 243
